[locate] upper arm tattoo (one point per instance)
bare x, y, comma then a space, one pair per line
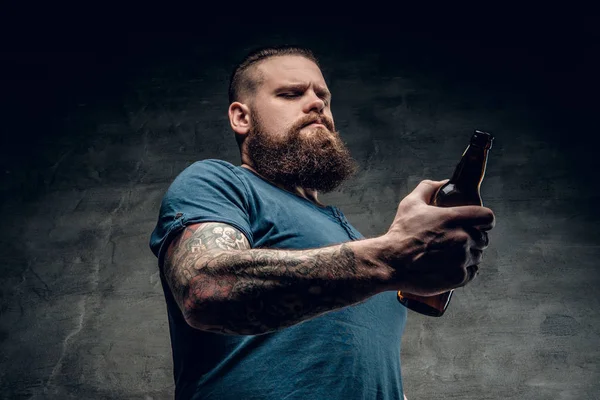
191, 244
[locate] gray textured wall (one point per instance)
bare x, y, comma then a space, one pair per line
96, 133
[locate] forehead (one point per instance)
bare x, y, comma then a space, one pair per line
282, 70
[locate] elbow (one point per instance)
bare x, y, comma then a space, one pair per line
191, 309
197, 325
190, 318
200, 314
213, 316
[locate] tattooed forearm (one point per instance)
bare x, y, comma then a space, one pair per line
224, 286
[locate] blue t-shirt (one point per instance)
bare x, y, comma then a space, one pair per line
352, 353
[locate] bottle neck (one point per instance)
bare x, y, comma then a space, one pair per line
470, 171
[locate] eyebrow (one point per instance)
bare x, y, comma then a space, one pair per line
302, 86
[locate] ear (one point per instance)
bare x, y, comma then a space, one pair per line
239, 118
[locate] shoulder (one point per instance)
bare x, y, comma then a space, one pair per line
210, 170
210, 166
209, 180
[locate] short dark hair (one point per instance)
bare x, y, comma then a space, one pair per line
242, 81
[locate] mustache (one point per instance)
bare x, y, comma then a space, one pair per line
309, 119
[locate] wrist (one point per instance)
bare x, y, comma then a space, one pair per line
372, 258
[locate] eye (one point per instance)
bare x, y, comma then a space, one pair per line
289, 95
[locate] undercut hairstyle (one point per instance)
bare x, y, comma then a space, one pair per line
244, 82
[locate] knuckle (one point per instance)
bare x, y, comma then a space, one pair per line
477, 256
463, 239
472, 272
408, 201
491, 217
486, 239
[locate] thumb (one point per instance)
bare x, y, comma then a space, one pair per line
427, 188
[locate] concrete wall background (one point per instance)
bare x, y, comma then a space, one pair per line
96, 129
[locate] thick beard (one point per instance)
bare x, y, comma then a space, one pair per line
316, 160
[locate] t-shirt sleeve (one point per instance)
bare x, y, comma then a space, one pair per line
206, 191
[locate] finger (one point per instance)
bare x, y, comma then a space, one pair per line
427, 188
478, 217
479, 239
472, 271
476, 257
461, 278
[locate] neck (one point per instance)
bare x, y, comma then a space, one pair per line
308, 194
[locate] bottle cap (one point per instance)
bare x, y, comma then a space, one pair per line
482, 139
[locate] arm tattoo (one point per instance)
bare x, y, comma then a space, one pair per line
222, 285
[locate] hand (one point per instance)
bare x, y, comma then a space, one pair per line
435, 249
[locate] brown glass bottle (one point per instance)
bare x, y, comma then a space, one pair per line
461, 190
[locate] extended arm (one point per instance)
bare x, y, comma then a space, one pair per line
222, 285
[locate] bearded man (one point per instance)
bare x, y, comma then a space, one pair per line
285, 299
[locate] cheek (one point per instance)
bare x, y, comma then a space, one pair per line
329, 115
276, 118
284, 121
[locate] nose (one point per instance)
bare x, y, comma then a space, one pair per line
314, 103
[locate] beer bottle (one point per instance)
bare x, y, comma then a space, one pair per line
461, 190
